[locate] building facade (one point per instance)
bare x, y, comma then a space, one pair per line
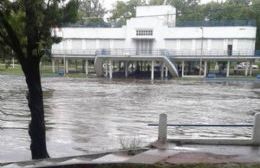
154, 32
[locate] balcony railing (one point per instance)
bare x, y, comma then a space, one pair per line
157, 52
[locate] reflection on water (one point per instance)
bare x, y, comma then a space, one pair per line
90, 115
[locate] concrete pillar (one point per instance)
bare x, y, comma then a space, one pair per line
13, 62
106, 69
86, 67
126, 68
110, 69
200, 67
67, 66
162, 129
182, 68
250, 69
152, 71
246, 70
256, 130
205, 68
162, 70
228, 68
166, 72
53, 65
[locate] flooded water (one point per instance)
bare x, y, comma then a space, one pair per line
92, 115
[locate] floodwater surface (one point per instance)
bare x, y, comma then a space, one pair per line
93, 115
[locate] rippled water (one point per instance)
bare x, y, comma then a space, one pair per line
91, 115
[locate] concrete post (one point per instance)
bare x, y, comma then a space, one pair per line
86, 67
13, 62
166, 72
53, 65
162, 70
205, 68
162, 129
182, 69
126, 68
152, 71
256, 130
110, 69
228, 68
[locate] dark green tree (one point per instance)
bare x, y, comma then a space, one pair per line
25, 27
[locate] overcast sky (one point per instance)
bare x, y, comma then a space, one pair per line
108, 3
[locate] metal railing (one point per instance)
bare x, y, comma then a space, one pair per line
156, 52
255, 140
215, 23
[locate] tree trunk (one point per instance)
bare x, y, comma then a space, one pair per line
31, 70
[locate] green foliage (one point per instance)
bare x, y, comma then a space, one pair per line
25, 25
91, 13
124, 10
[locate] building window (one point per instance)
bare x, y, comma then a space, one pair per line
144, 32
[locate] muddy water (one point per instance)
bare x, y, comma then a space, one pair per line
92, 115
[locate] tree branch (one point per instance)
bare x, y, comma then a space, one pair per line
11, 34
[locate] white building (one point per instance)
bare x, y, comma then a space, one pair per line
153, 32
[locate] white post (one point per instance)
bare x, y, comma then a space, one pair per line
86, 67
182, 69
162, 129
110, 69
162, 70
256, 130
152, 71
13, 61
205, 68
126, 69
53, 65
228, 68
166, 72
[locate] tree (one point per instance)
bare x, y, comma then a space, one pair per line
25, 27
124, 10
91, 13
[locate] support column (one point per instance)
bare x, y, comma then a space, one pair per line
205, 68
162, 70
86, 67
200, 67
53, 65
67, 66
126, 68
246, 69
182, 68
152, 71
106, 69
250, 69
228, 68
166, 72
110, 69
